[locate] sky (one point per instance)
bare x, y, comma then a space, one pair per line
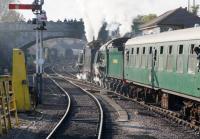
61, 9
95, 12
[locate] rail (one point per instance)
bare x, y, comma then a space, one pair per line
96, 101
66, 112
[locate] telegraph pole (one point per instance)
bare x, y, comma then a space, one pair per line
39, 21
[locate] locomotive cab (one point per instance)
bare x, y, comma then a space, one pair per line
99, 66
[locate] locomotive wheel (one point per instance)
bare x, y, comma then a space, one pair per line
124, 89
118, 88
130, 92
111, 85
114, 86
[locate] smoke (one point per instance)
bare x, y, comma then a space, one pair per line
94, 12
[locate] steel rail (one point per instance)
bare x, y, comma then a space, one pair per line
99, 105
170, 114
96, 101
66, 112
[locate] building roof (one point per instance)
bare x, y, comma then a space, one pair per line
170, 36
177, 17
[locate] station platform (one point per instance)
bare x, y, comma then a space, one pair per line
122, 114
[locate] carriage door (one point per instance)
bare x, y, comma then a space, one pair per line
194, 67
152, 76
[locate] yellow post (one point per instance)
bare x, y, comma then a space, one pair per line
20, 82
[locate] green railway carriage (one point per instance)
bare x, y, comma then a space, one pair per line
165, 68
165, 61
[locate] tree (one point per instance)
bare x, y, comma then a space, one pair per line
12, 16
9, 16
103, 33
145, 18
195, 9
141, 19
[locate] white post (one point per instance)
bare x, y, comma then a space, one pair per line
37, 51
41, 53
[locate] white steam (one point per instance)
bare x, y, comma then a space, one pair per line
94, 12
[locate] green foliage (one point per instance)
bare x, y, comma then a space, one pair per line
195, 9
141, 19
144, 18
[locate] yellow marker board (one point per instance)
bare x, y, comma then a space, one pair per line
20, 82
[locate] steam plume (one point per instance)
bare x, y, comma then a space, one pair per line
94, 12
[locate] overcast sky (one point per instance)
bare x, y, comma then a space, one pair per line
60, 9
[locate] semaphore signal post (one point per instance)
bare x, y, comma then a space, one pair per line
40, 22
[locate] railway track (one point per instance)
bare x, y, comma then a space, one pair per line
173, 116
53, 132
84, 115
70, 76
39, 123
110, 127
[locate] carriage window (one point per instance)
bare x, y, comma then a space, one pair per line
132, 51
127, 55
170, 49
192, 49
138, 58
180, 49
161, 50
192, 60
161, 60
155, 57
150, 58
180, 61
170, 59
138, 50
150, 50
143, 58
143, 50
